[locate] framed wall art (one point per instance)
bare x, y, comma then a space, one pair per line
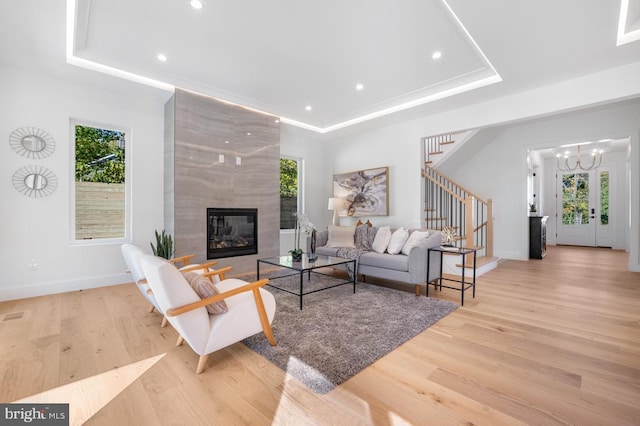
366, 192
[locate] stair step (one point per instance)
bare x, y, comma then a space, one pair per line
436, 152
447, 142
480, 261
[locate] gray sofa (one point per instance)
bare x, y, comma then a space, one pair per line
411, 269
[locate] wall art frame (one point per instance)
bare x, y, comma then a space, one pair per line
366, 192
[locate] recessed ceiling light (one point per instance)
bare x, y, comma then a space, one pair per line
226, 141
162, 57
359, 86
277, 120
308, 107
436, 55
196, 4
248, 133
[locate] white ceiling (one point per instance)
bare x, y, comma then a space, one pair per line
280, 56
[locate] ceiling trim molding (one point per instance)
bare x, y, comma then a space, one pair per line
71, 47
76, 35
629, 18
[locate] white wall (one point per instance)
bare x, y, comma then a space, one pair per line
39, 229
616, 162
498, 170
397, 147
302, 144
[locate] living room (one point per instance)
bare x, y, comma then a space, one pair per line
39, 259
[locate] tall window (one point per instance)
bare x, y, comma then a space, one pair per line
604, 198
100, 181
575, 199
289, 192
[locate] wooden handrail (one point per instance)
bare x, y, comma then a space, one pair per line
456, 184
457, 206
453, 194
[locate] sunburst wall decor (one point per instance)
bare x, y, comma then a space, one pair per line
32, 142
35, 181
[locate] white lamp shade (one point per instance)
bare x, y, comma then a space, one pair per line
336, 204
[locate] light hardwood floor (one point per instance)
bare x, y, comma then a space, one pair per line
553, 341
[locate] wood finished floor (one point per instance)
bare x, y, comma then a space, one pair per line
553, 341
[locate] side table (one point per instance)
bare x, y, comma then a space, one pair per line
464, 285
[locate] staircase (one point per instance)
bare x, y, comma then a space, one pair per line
448, 204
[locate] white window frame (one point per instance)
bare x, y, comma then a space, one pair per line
73, 122
300, 201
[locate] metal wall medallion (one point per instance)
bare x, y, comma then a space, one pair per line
35, 181
32, 142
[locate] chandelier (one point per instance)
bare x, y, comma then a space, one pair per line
596, 159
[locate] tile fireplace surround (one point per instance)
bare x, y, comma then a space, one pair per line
225, 156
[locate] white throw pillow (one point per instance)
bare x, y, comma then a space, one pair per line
381, 240
398, 238
341, 236
415, 239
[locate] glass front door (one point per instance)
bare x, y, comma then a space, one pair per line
583, 208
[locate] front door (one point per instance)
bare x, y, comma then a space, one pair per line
583, 208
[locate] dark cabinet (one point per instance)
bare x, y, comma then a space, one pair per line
537, 236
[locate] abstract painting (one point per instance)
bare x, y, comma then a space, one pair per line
365, 191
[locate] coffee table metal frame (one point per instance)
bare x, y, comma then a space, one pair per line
307, 265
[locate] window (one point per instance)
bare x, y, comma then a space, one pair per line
100, 187
575, 199
604, 198
289, 192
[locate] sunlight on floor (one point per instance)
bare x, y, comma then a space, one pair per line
87, 396
290, 407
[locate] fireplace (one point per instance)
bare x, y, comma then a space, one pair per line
231, 232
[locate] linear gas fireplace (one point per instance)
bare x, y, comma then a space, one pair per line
231, 232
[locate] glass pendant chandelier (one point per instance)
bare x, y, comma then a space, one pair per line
564, 160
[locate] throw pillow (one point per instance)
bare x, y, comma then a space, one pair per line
205, 288
416, 238
341, 236
398, 238
364, 236
381, 240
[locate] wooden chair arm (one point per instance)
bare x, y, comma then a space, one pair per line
172, 312
220, 272
183, 259
201, 266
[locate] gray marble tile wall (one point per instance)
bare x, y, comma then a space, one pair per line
221, 156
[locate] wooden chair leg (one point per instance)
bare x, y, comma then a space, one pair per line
266, 327
202, 363
418, 289
180, 341
151, 308
164, 322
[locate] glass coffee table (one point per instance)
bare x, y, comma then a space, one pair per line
308, 266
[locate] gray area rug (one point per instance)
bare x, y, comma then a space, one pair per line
338, 333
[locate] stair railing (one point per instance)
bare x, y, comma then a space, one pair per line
447, 203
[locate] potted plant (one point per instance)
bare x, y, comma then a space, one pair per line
302, 224
164, 245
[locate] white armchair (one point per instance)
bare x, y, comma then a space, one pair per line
250, 309
132, 255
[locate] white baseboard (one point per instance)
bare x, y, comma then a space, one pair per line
54, 287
